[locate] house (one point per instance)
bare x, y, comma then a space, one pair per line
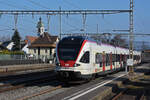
28, 41
44, 45
7, 45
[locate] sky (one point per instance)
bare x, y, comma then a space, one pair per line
26, 24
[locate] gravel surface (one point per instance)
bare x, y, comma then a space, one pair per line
34, 89
136, 87
26, 91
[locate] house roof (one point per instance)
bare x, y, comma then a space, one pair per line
45, 40
30, 39
148, 51
7, 45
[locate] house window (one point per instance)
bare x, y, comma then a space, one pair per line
34, 50
50, 51
45, 50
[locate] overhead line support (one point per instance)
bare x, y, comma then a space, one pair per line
63, 12
131, 70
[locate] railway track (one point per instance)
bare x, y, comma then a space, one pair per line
134, 90
119, 95
9, 76
123, 95
14, 82
22, 84
45, 89
143, 96
40, 93
19, 68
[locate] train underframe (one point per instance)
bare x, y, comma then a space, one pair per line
71, 76
67, 76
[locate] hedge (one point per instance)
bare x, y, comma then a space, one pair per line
12, 52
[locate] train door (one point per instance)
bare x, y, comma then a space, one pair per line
98, 62
92, 64
120, 60
117, 61
113, 61
125, 61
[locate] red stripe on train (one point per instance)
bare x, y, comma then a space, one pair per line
67, 63
81, 49
111, 61
103, 62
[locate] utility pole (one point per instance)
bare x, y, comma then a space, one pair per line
60, 23
84, 23
48, 23
97, 29
131, 36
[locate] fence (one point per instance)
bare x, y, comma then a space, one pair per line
24, 59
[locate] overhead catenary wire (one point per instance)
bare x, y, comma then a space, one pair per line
70, 25
72, 12
10, 4
37, 4
48, 23
71, 4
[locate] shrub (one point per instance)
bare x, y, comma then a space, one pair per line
12, 52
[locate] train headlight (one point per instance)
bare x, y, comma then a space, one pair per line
57, 64
76, 65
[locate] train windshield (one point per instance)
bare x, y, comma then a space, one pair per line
68, 48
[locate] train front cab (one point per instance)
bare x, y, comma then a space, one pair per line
73, 59
81, 70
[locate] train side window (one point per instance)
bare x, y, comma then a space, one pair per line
98, 58
86, 57
113, 57
138, 57
106, 57
127, 56
122, 58
118, 58
134, 57
107, 60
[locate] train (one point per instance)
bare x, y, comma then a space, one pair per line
82, 58
145, 56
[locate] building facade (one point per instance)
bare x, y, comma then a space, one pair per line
44, 46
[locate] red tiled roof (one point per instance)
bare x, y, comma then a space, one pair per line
30, 39
44, 41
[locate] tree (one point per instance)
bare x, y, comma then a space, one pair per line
104, 38
119, 41
16, 39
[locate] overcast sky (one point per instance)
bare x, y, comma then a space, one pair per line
73, 23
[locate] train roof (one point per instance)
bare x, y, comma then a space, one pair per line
82, 38
79, 37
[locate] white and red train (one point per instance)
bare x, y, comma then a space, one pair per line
82, 58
